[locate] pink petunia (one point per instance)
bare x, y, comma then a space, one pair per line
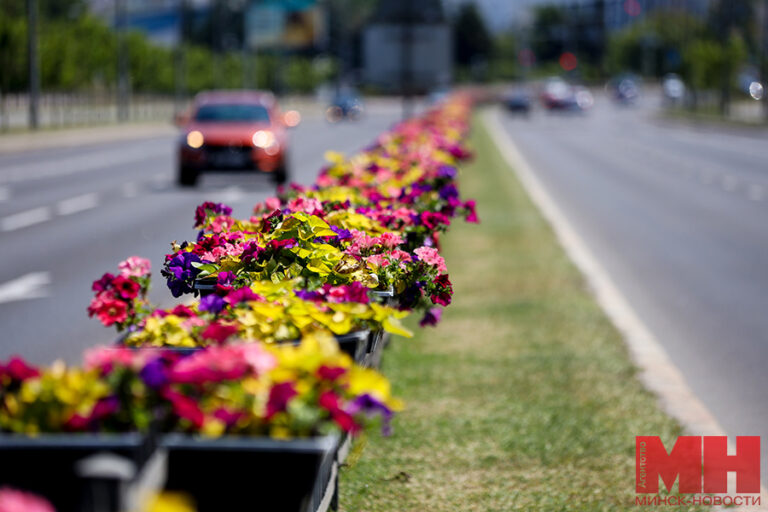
391, 240
12, 500
430, 256
135, 266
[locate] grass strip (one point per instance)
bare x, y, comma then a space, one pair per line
524, 398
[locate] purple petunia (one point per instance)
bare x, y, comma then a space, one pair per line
181, 273
344, 234
212, 303
154, 374
446, 171
370, 406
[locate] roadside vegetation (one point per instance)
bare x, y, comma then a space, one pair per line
524, 397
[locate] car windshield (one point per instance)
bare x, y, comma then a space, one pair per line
232, 113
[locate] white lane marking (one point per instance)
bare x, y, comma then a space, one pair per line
658, 373
29, 286
229, 195
77, 204
77, 164
5, 194
130, 189
25, 218
756, 192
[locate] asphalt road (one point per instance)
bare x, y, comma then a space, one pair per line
68, 215
678, 216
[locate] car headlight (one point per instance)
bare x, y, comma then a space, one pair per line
195, 139
264, 139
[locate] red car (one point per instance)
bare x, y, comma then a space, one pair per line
234, 130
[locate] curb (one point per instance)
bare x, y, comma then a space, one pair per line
72, 137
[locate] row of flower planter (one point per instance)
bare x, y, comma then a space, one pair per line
97, 472
248, 397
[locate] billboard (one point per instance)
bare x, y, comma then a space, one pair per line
284, 23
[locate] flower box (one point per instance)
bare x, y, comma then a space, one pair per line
355, 344
260, 473
376, 343
75, 472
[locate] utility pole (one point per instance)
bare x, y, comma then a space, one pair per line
180, 84
122, 62
217, 41
34, 70
406, 58
763, 55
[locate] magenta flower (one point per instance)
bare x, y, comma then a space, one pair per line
279, 396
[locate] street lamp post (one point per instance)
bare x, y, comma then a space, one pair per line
122, 62
34, 70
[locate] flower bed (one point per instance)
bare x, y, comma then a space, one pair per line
251, 364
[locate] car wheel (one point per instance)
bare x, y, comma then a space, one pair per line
187, 176
280, 175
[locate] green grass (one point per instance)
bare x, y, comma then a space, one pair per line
524, 398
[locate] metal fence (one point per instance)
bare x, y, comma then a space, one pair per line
79, 109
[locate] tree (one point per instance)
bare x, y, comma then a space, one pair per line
549, 32
654, 45
472, 41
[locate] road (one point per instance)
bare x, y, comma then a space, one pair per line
68, 215
678, 217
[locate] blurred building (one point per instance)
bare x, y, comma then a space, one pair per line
503, 14
407, 46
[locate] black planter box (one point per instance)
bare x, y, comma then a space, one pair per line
355, 344
376, 342
75, 472
259, 474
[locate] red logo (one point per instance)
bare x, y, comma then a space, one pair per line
699, 464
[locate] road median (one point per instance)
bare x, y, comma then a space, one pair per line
525, 397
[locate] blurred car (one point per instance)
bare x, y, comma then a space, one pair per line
438, 95
672, 89
584, 98
517, 101
345, 104
234, 130
557, 94
624, 89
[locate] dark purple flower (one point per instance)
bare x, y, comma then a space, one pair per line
251, 252
102, 284
449, 191
154, 374
212, 303
370, 406
431, 317
180, 272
